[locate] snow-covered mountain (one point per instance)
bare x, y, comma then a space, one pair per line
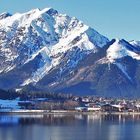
44, 33
46, 50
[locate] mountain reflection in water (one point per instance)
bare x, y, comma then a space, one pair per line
69, 127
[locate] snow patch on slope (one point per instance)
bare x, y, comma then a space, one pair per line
116, 51
123, 69
65, 44
120, 49
135, 43
45, 65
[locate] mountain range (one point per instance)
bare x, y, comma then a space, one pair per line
43, 50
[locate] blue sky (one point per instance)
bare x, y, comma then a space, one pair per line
112, 18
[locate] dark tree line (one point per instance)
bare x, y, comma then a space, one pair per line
27, 95
8, 94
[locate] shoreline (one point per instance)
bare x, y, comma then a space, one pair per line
62, 112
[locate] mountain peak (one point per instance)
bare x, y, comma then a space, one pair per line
117, 40
29, 34
22, 19
50, 50
48, 10
4, 15
135, 43
116, 50
121, 48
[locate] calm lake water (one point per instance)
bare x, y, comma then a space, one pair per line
70, 127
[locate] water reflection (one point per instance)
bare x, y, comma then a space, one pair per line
69, 127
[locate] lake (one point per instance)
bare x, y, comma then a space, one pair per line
70, 127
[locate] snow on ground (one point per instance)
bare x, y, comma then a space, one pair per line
9, 104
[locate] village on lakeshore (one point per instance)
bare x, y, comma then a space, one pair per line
71, 104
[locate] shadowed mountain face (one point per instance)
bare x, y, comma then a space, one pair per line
95, 75
46, 51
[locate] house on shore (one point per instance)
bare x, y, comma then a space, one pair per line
112, 108
89, 108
